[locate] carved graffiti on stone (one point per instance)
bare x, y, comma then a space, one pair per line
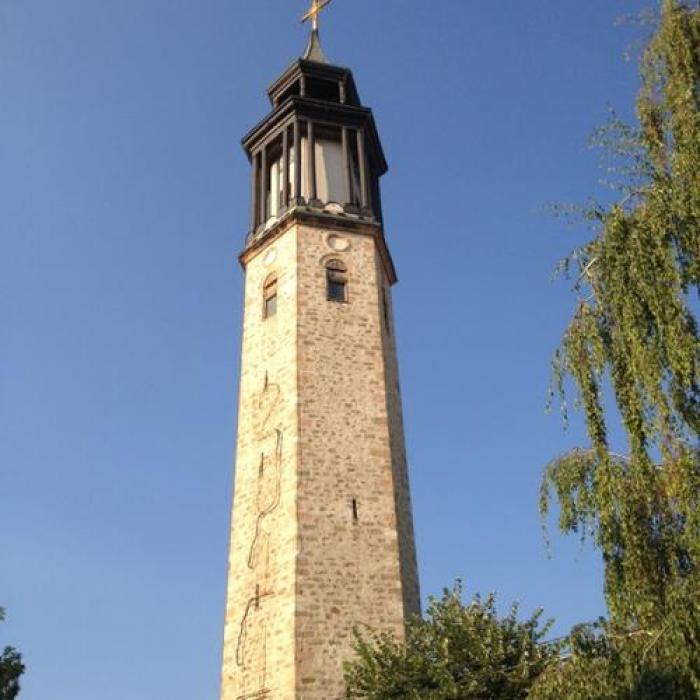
251, 652
268, 492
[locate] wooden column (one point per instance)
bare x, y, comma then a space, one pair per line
297, 162
264, 177
362, 157
347, 166
285, 168
254, 166
311, 161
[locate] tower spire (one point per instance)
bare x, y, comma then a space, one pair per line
313, 51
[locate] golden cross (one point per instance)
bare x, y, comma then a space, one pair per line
313, 13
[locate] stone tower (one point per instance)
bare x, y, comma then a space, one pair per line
322, 535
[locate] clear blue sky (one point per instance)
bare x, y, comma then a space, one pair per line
123, 205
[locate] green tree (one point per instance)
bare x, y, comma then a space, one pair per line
634, 335
457, 652
11, 668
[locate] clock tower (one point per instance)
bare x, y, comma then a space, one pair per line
322, 534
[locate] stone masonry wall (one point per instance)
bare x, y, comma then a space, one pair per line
259, 632
322, 537
349, 571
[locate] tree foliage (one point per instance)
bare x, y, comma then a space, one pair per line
11, 668
635, 335
457, 652
602, 662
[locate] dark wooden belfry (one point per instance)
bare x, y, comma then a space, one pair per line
318, 151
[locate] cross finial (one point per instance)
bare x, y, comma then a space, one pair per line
314, 11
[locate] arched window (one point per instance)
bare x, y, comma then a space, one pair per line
270, 296
337, 281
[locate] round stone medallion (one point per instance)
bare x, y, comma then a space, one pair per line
270, 256
338, 242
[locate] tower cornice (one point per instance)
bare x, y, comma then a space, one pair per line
326, 221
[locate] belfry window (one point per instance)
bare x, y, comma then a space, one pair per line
330, 184
337, 281
270, 296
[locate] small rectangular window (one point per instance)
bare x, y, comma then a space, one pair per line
270, 297
336, 281
270, 306
336, 290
